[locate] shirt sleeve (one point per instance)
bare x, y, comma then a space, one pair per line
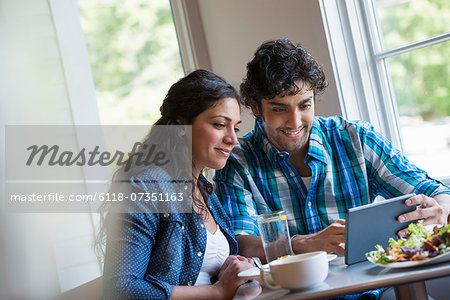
130, 239
390, 172
236, 198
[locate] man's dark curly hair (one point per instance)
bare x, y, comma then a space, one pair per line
276, 67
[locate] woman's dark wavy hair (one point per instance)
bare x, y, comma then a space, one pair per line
275, 68
185, 100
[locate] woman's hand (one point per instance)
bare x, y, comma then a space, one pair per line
232, 258
248, 290
225, 287
228, 280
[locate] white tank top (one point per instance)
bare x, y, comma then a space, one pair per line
217, 251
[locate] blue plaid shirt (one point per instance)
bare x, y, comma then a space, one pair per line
351, 164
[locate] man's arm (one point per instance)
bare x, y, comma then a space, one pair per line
330, 239
392, 171
250, 246
238, 202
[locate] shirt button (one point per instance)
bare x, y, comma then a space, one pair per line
185, 187
309, 203
202, 226
199, 254
182, 227
226, 229
166, 215
292, 174
190, 282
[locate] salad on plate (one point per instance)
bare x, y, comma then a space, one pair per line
419, 245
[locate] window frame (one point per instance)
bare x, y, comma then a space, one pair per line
364, 87
191, 36
83, 102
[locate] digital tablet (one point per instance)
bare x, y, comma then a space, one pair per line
371, 224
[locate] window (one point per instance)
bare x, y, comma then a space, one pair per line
397, 59
414, 49
134, 56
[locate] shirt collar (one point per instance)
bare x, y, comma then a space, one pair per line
205, 184
315, 150
263, 142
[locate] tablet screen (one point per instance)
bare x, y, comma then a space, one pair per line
373, 224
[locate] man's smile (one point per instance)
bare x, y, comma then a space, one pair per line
292, 133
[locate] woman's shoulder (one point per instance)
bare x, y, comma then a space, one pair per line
160, 190
153, 173
154, 178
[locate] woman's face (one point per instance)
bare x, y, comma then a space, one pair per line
214, 134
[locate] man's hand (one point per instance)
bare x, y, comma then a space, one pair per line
430, 210
330, 239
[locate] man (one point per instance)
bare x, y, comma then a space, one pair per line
314, 168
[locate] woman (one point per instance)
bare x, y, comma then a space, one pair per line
156, 255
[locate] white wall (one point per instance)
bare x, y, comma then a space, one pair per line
43, 254
235, 28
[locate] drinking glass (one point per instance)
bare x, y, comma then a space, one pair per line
274, 231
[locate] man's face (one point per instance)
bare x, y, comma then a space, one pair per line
288, 120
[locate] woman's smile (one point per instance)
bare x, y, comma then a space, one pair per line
225, 152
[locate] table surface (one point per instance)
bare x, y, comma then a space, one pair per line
344, 280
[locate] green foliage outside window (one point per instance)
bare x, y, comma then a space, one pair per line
421, 77
134, 56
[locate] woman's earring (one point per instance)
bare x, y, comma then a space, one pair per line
182, 132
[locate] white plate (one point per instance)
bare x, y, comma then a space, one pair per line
254, 273
410, 264
330, 257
